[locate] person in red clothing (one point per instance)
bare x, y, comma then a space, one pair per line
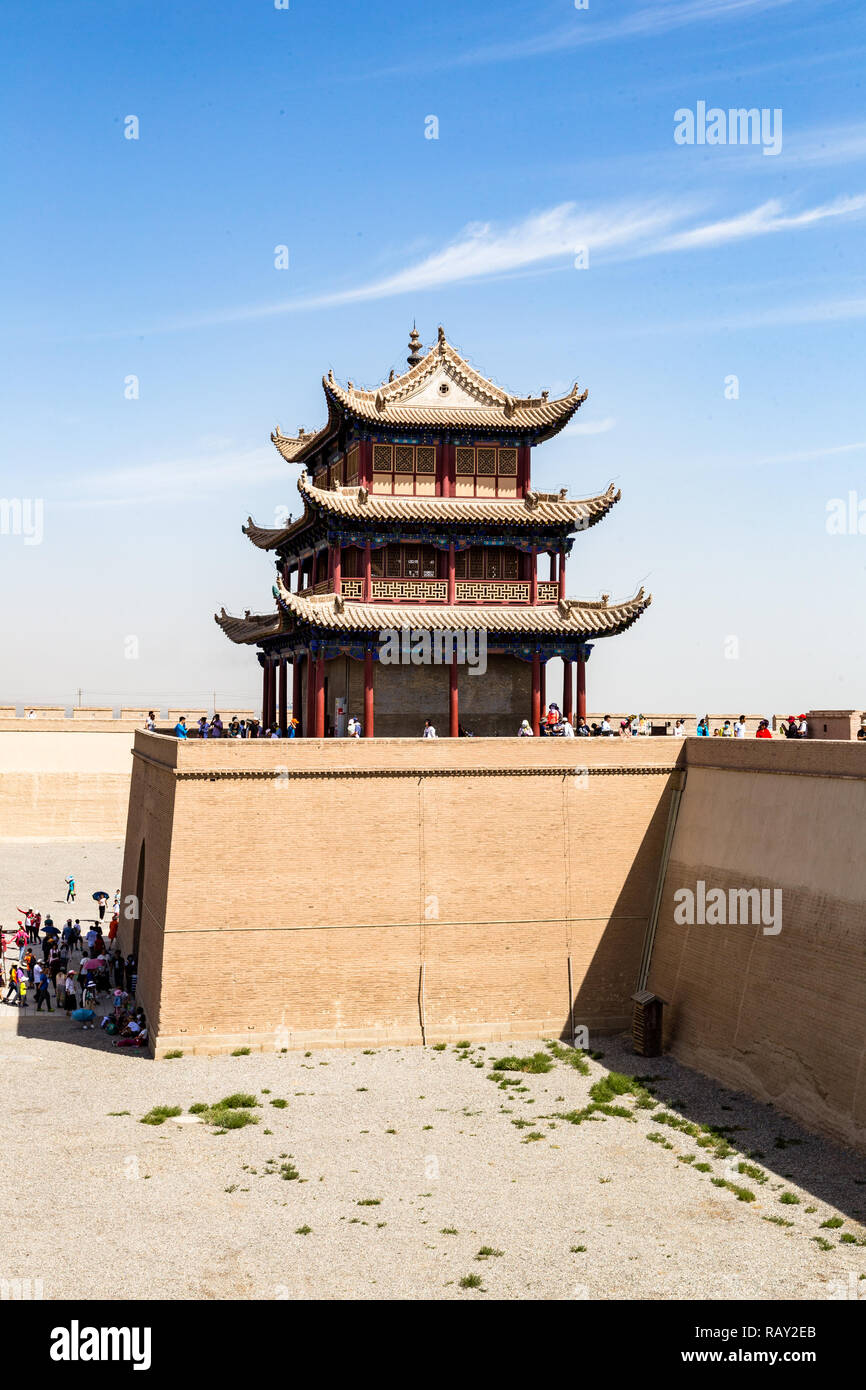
763, 729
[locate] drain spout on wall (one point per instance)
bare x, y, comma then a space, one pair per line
679, 785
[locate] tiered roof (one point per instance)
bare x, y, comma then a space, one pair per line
537, 509
581, 619
441, 391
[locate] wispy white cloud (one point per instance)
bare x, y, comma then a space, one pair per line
591, 426
760, 221
585, 28
177, 480
810, 455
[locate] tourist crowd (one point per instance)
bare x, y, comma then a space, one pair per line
79, 971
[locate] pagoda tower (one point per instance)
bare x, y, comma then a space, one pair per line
419, 519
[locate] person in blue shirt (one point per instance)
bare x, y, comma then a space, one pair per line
704, 727
180, 728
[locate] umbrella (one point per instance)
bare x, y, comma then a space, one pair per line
100, 894
83, 1015
50, 931
96, 963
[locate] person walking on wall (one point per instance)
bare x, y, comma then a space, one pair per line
70, 890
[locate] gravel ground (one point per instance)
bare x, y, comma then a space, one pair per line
410, 1161
429, 1141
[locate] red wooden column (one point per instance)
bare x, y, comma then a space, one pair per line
581, 687
368, 573
533, 575
264, 692
543, 688
535, 705
447, 452
368, 692
296, 693
453, 701
552, 575
562, 572
523, 478
284, 697
310, 720
452, 576
320, 697
272, 694
337, 568
567, 689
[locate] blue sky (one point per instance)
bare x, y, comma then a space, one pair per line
305, 127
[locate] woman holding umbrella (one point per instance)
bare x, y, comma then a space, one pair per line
101, 898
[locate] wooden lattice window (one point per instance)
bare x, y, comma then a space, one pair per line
353, 465
486, 471
404, 459
382, 458
510, 564
465, 461
487, 562
412, 561
425, 459
393, 567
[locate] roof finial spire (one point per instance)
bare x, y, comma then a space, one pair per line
415, 353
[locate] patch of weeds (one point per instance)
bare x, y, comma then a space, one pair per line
368, 1052
531, 1137
618, 1112
578, 1250
426, 1126
810, 1209
823, 1244
238, 1100
380, 1224
449, 1231
390, 1131
522, 1124
703, 1167
486, 1252
471, 1281
572, 1056
537, 1063
462, 1046
742, 1194
199, 1108
779, 1221
749, 1170
370, 1202
120, 1112
233, 1188
687, 1158
832, 1223
159, 1114
657, 1138
241, 1052
303, 1230
847, 1238
288, 1171
361, 1088
279, 1103
789, 1199
170, 1056
439, 1047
